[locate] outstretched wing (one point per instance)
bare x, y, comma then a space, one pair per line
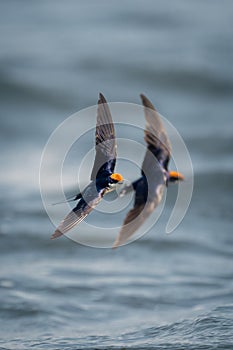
87, 203
138, 215
155, 137
149, 188
72, 219
105, 158
131, 223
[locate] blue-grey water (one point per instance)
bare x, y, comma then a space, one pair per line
162, 291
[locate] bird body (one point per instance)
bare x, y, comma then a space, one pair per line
103, 178
149, 188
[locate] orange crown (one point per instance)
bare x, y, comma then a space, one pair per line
117, 177
177, 175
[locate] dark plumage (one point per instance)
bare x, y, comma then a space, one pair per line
103, 178
150, 186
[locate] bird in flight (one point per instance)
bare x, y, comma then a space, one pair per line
103, 178
154, 178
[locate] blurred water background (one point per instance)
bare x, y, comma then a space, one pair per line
161, 292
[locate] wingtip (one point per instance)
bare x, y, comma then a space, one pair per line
117, 243
146, 102
142, 96
115, 246
102, 98
56, 234
144, 99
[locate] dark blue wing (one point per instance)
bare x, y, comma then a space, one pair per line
105, 159
89, 200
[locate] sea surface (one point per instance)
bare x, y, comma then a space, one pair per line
162, 291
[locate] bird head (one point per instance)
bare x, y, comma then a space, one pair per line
116, 178
175, 176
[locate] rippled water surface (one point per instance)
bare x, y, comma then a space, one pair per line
162, 291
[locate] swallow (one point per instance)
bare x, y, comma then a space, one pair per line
103, 178
155, 175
